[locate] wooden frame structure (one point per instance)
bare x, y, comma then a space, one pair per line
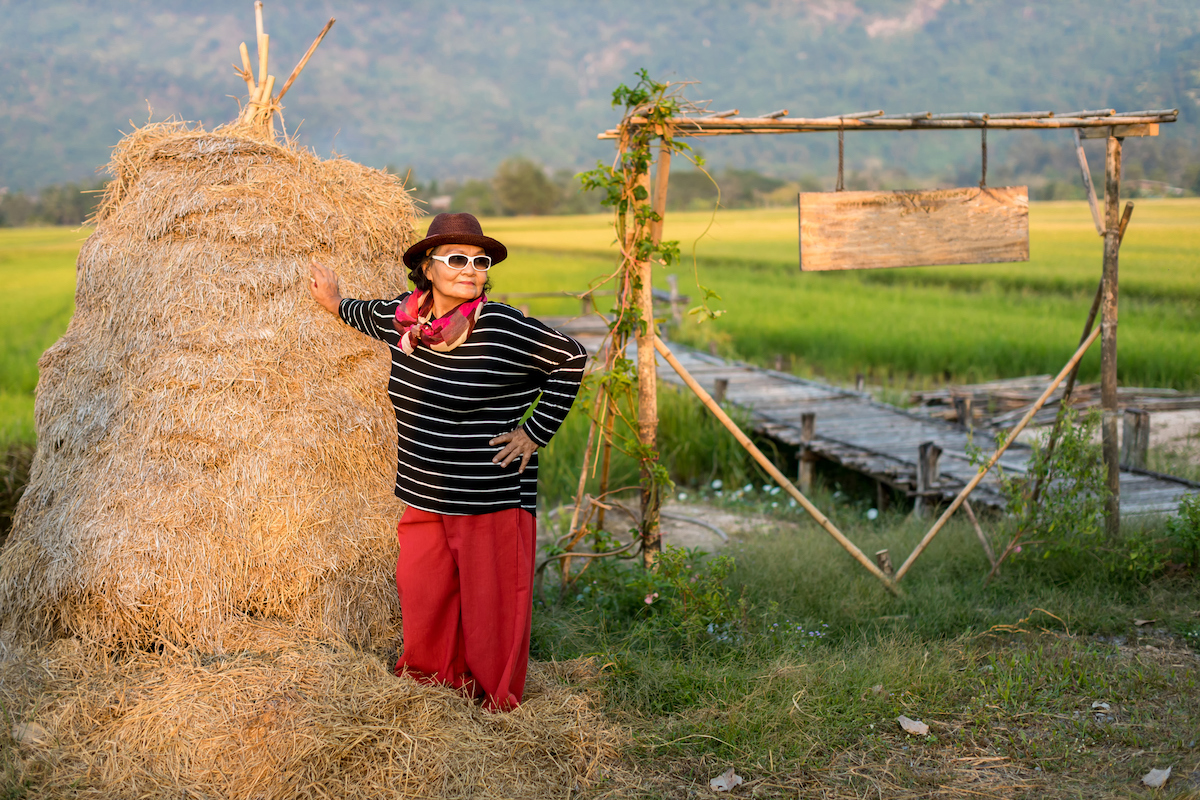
1104, 123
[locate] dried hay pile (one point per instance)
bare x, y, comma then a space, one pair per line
210, 510
213, 448
312, 721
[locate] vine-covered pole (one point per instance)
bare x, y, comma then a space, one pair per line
647, 373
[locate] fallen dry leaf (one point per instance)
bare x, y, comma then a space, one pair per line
876, 691
30, 733
1155, 778
1141, 622
1100, 705
913, 726
725, 781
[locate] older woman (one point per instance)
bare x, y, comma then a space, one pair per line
465, 372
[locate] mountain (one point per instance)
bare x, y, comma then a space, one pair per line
453, 88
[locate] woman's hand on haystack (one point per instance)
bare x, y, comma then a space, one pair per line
517, 443
324, 287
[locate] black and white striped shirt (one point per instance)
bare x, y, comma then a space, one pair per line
449, 405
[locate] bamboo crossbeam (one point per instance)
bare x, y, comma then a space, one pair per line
960, 115
712, 126
986, 468
1022, 115
311, 49
1101, 112
909, 115
720, 114
1147, 113
783, 112
771, 469
859, 115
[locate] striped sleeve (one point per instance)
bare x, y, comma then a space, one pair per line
563, 361
372, 317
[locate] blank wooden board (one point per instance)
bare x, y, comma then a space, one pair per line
878, 230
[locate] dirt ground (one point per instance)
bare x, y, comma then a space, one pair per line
686, 525
1174, 432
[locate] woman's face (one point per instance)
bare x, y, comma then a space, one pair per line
451, 285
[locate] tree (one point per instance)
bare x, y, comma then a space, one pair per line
522, 187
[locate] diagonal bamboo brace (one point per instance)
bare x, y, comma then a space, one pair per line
1012, 436
772, 470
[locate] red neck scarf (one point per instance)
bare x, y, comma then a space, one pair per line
415, 323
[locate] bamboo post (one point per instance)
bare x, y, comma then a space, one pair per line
986, 468
1108, 337
771, 469
928, 454
610, 413
1135, 443
808, 459
983, 540
661, 176
247, 70
264, 46
580, 498
1087, 183
963, 413
720, 389
647, 376
311, 49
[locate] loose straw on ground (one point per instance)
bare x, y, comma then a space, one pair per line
771, 469
1012, 436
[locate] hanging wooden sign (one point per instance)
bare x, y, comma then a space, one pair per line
878, 230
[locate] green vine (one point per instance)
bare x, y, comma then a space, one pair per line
649, 110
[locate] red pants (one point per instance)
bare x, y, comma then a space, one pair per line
466, 596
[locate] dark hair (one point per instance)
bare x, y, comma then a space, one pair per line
417, 277
420, 281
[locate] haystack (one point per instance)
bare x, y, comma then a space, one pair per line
313, 720
214, 449
197, 597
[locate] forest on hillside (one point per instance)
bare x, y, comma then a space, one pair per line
456, 89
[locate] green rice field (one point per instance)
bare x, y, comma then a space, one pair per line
904, 328
910, 326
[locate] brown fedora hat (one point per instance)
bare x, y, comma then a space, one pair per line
455, 229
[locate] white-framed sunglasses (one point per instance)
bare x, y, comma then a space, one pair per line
460, 262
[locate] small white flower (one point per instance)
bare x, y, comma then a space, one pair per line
872, 513
717, 484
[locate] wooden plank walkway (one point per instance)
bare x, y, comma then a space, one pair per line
862, 434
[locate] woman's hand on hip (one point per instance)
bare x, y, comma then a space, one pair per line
516, 443
324, 287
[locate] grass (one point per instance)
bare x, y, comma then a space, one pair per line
782, 687
1005, 675
916, 326
37, 267
1158, 256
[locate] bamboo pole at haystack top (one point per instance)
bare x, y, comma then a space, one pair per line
263, 104
771, 469
985, 469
